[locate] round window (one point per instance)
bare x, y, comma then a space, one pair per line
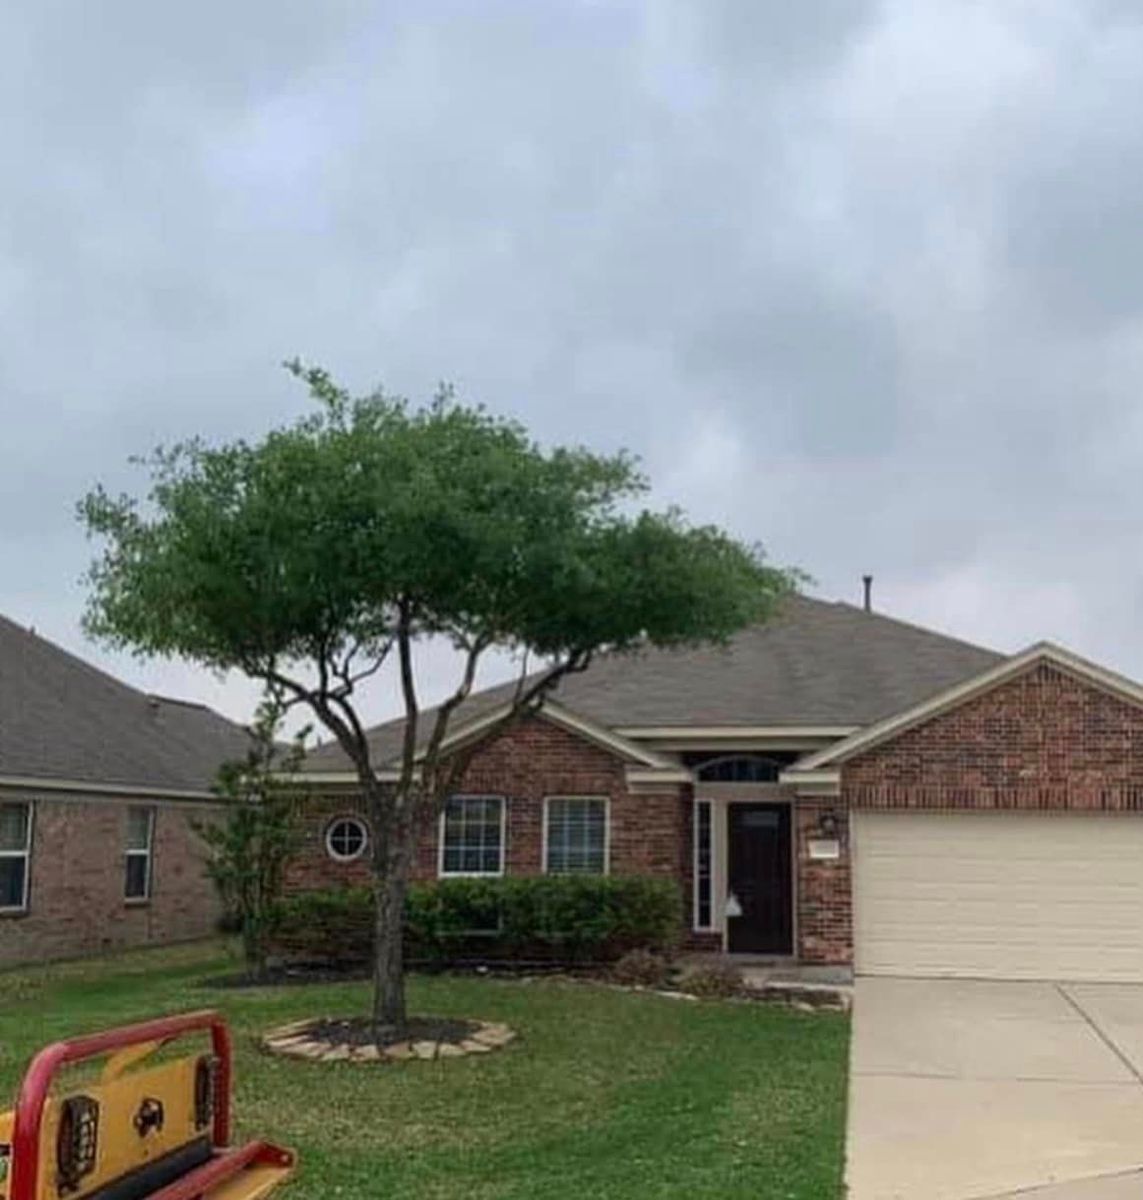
346, 838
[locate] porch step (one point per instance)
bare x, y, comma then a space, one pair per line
799, 992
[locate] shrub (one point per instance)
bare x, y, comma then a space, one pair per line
713, 981
329, 926
641, 968
572, 918
251, 842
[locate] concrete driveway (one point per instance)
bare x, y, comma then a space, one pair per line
965, 1090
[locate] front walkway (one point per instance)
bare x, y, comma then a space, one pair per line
964, 1090
784, 978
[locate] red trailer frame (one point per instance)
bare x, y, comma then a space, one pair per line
36, 1088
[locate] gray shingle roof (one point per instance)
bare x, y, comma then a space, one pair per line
816, 663
61, 718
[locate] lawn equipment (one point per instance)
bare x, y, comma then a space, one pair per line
139, 1131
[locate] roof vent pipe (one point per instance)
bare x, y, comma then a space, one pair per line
868, 581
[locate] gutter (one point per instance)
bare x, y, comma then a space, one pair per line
34, 784
813, 782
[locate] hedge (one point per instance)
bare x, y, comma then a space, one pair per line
572, 918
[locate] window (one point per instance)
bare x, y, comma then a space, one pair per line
140, 834
15, 849
472, 836
575, 835
740, 768
703, 860
346, 838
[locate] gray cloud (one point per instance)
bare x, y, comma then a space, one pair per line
858, 279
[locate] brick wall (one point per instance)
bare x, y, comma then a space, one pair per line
76, 903
649, 832
312, 868
1042, 741
824, 890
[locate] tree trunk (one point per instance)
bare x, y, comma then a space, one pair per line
252, 946
388, 954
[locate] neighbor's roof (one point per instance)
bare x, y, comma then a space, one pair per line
62, 719
817, 663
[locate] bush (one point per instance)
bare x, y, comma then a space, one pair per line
567, 918
333, 926
713, 981
641, 968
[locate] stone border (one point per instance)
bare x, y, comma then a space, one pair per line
294, 1041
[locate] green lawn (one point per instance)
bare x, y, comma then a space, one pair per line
606, 1094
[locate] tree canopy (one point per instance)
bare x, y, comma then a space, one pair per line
313, 544
315, 556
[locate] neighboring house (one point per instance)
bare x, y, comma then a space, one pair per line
99, 784
836, 786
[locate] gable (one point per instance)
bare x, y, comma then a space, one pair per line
551, 731
823, 761
538, 746
579, 727
1043, 738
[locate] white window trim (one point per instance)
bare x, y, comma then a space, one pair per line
335, 855
149, 854
712, 926
441, 872
606, 830
26, 855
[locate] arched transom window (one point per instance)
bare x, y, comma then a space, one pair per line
739, 768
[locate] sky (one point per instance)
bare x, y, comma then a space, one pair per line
862, 281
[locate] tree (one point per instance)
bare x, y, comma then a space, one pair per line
325, 552
259, 835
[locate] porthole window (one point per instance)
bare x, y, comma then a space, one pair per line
346, 838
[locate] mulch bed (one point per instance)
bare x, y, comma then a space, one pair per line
358, 1031
297, 974
352, 1039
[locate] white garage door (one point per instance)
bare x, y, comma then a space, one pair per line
999, 896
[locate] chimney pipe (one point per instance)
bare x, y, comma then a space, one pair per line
868, 581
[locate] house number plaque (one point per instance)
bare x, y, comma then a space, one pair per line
824, 849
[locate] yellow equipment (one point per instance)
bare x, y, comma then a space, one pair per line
140, 1132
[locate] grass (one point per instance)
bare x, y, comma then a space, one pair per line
606, 1093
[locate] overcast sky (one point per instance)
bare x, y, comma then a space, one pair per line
863, 281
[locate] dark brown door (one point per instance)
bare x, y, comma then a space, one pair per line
760, 878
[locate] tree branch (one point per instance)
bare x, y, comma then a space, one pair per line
527, 699
349, 678
446, 710
349, 733
351, 718
409, 690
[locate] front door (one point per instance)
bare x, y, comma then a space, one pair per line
759, 879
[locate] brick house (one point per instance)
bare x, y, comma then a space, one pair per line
99, 787
835, 787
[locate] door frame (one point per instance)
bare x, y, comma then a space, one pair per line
720, 796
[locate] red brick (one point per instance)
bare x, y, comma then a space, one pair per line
824, 891
1043, 741
76, 904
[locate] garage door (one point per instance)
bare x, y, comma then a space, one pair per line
999, 896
